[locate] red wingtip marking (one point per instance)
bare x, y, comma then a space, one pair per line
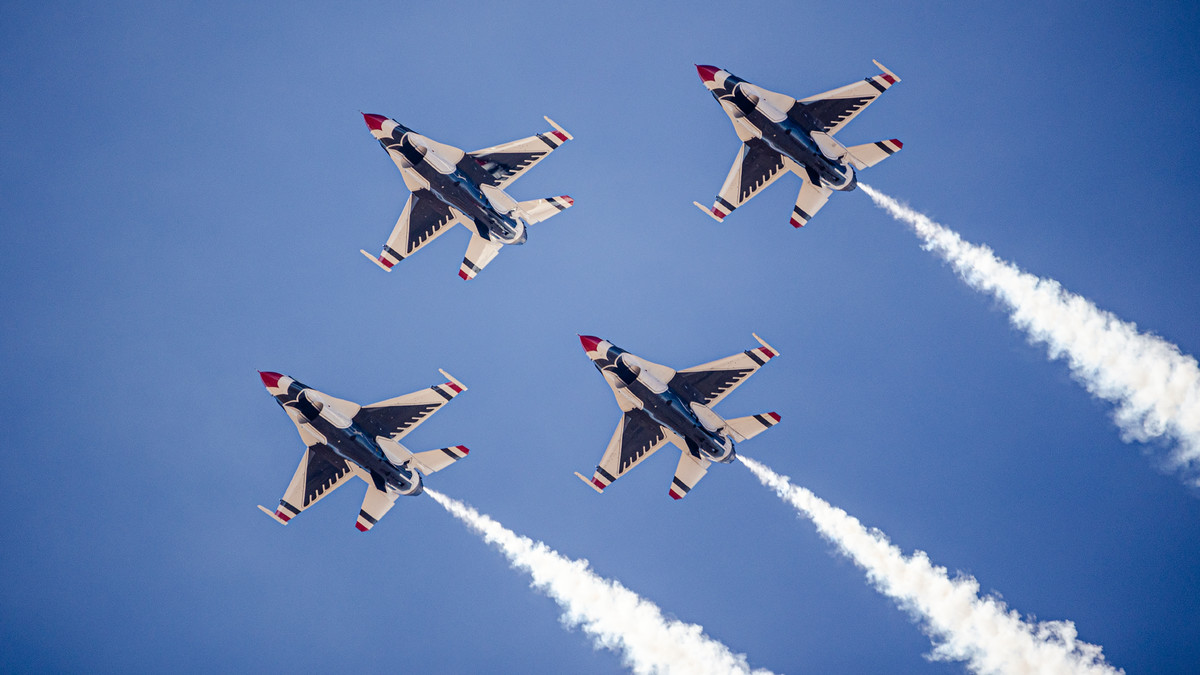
271, 380
567, 199
774, 416
589, 342
385, 261
675, 496
374, 122
597, 483
898, 143
888, 78
361, 527
768, 353
464, 275
454, 387
707, 73
560, 136
464, 449
282, 515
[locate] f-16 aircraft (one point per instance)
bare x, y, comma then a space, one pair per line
660, 404
345, 439
780, 134
450, 186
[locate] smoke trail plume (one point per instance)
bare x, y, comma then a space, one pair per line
617, 619
981, 631
1155, 387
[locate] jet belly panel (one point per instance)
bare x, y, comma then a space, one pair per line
668, 410
352, 444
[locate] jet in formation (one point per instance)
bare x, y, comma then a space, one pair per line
450, 187
660, 405
781, 134
345, 439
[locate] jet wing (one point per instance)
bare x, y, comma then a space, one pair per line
835, 108
688, 472
480, 252
505, 163
396, 417
756, 166
425, 218
320, 472
636, 438
711, 382
375, 505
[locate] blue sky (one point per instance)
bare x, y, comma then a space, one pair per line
185, 190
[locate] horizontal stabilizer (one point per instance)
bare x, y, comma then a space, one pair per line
689, 472
537, 210
375, 505
870, 154
435, 460
745, 428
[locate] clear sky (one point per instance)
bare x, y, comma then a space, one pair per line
184, 190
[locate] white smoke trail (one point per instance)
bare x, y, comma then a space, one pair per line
615, 617
963, 626
1155, 387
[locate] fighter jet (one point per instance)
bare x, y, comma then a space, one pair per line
450, 186
345, 439
780, 134
661, 404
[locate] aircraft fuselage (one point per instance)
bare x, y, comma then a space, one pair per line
790, 137
457, 184
346, 439
666, 407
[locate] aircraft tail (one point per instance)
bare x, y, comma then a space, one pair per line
870, 154
537, 210
745, 428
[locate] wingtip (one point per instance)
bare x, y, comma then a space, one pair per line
589, 483
275, 515
450, 377
559, 129
378, 261
765, 345
894, 79
709, 212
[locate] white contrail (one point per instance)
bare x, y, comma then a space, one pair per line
963, 626
615, 617
1155, 387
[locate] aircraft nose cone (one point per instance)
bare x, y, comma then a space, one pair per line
707, 73
374, 122
271, 380
589, 342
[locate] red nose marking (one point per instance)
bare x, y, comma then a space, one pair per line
271, 380
589, 342
707, 73
375, 122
